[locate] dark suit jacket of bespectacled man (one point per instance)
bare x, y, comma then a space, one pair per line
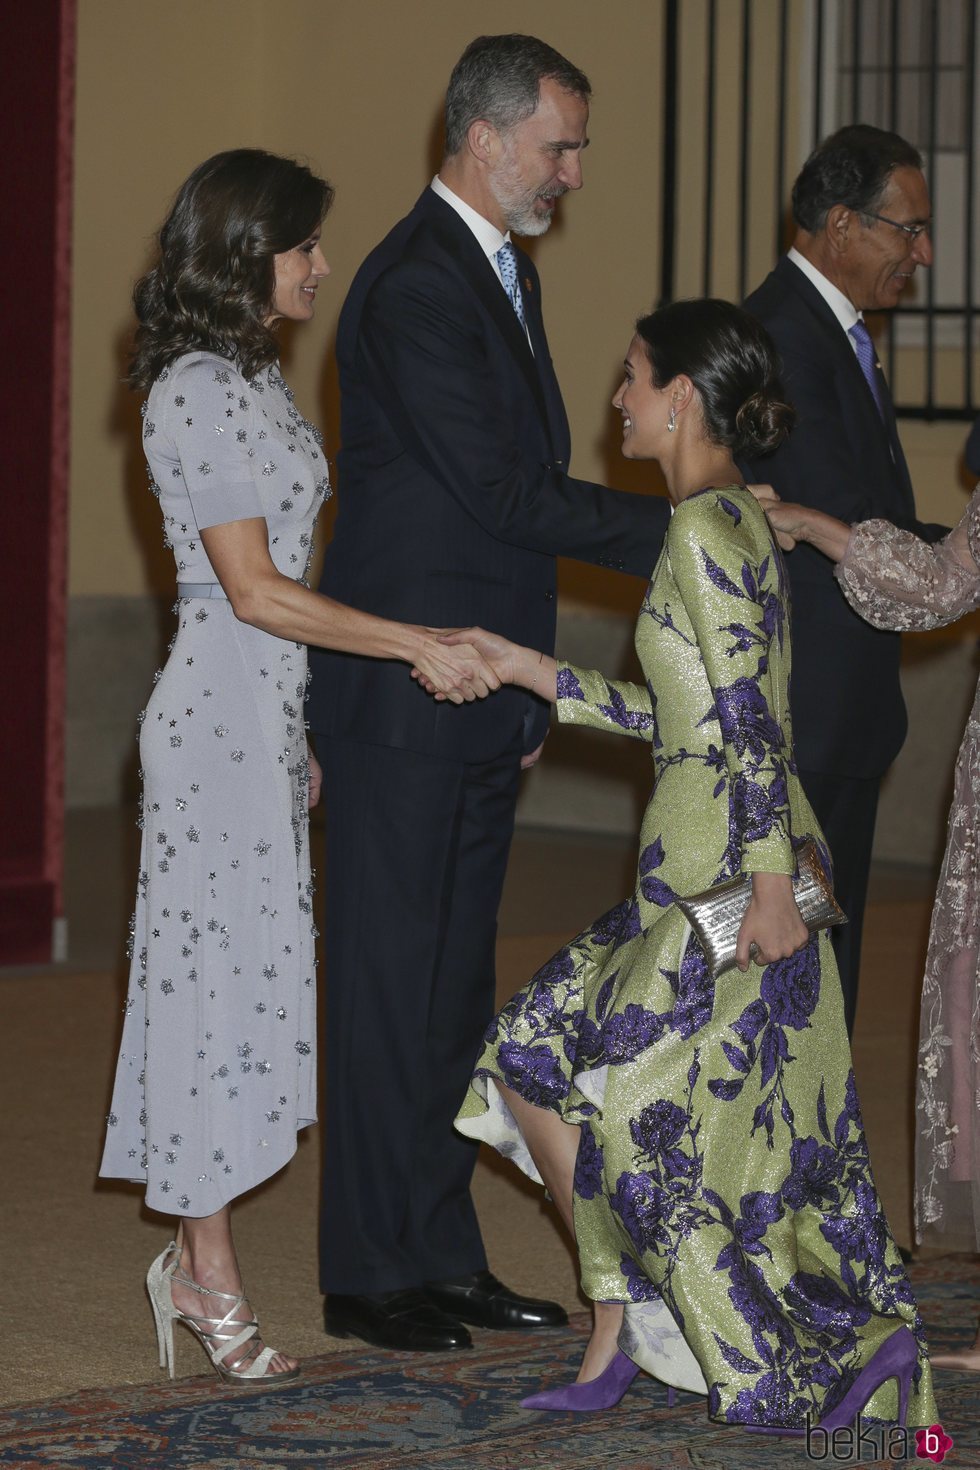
862, 212
454, 499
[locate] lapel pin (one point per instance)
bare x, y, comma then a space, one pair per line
527, 284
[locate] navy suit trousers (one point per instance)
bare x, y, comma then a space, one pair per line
416, 853
846, 807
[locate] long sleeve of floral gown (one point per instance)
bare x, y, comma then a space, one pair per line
587, 697
730, 578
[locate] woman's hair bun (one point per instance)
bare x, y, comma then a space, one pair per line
762, 423
732, 362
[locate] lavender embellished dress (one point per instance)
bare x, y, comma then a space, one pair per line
217, 1065
723, 1189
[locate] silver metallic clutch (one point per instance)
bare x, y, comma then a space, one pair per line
716, 915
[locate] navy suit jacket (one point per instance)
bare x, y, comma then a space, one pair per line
455, 495
848, 713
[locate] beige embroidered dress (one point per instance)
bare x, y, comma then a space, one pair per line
894, 580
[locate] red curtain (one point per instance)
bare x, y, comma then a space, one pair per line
37, 64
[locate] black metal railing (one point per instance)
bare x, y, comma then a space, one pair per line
794, 72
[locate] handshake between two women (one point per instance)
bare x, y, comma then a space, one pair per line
465, 664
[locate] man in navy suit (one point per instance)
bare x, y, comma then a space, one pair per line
455, 498
862, 212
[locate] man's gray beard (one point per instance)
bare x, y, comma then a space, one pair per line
523, 220
517, 206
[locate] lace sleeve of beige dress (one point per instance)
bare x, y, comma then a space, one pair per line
896, 581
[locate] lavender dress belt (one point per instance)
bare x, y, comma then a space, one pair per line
201, 589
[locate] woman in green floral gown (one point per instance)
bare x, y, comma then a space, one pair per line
704, 1137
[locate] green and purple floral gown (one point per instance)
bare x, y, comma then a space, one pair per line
723, 1189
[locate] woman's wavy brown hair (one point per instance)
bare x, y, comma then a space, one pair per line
212, 286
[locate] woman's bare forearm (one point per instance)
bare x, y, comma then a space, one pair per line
803, 523
537, 672
287, 609
263, 597
826, 534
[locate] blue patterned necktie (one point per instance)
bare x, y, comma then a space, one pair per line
867, 360
506, 259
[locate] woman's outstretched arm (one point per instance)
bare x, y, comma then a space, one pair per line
581, 696
890, 576
262, 596
794, 523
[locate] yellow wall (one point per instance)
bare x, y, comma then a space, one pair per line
356, 89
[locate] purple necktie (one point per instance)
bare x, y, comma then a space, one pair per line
868, 360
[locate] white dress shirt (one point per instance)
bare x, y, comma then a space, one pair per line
843, 308
487, 236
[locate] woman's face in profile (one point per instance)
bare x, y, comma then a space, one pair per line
298, 272
645, 408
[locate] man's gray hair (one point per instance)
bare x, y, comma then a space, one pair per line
498, 78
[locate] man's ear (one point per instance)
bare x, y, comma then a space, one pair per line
481, 140
838, 228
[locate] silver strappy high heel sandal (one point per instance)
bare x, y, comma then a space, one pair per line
222, 1338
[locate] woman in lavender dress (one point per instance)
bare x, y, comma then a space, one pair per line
216, 1069
894, 580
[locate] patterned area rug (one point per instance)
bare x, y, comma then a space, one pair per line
387, 1411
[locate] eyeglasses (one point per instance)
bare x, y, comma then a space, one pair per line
913, 231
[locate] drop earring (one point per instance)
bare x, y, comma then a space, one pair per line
671, 420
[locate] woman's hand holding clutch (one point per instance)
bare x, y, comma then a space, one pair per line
772, 928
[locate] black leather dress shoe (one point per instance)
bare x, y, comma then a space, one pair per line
485, 1302
406, 1320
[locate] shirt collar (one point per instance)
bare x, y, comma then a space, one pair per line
487, 235
843, 308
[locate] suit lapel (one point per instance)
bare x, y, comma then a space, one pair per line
856, 384
557, 418
895, 443
459, 242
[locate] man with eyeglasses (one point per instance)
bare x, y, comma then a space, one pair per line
862, 212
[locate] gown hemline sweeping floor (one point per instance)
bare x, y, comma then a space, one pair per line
723, 1190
